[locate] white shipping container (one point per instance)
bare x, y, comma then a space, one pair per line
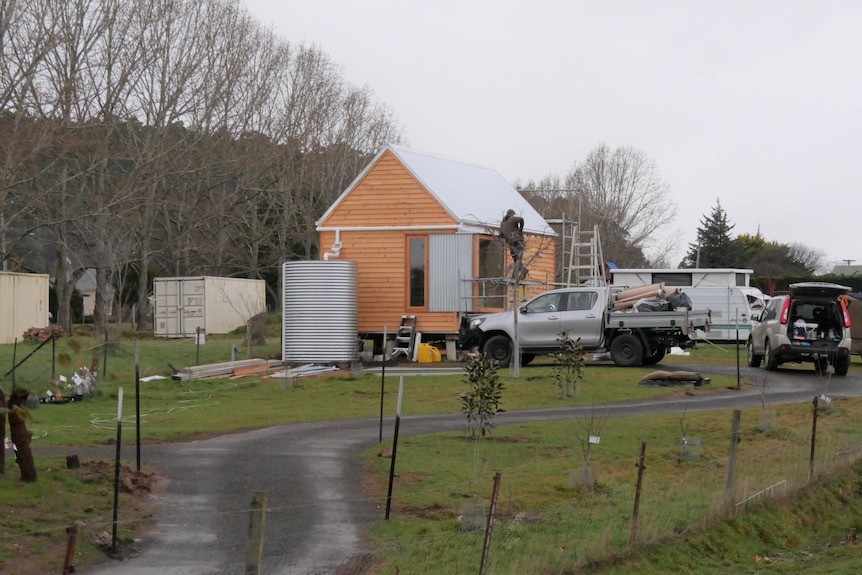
216, 305
23, 304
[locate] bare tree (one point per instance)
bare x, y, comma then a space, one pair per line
813, 260
622, 193
25, 41
169, 136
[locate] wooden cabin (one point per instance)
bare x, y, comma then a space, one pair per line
424, 232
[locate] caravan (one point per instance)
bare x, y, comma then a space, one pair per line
727, 293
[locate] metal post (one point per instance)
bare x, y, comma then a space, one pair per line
737, 350
138, 403
489, 525
641, 467
105, 352
198, 345
731, 463
382, 383
117, 467
813, 440
394, 445
516, 346
14, 361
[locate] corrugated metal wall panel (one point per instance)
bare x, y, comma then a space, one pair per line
450, 263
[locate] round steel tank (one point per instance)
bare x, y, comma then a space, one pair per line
319, 317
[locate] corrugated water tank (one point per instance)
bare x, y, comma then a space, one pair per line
319, 312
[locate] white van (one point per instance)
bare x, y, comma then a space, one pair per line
725, 292
731, 309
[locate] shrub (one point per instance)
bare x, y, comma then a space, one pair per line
568, 365
482, 402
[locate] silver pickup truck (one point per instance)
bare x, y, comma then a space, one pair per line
586, 313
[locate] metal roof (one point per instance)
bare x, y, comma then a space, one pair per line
472, 194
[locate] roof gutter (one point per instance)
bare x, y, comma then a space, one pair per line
386, 228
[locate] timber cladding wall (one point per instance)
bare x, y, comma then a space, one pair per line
388, 195
540, 257
381, 258
373, 222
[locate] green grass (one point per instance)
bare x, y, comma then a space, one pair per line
547, 521
36, 515
172, 410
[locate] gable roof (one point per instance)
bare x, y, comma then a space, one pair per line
475, 196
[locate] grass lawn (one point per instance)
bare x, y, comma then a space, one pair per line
440, 477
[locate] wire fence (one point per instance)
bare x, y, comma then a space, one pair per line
594, 520
585, 514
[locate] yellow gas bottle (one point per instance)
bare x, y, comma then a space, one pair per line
428, 353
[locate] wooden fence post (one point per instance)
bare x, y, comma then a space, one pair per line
71, 537
256, 526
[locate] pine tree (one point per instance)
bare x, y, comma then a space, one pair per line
715, 248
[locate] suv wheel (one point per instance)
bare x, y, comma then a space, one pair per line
753, 358
841, 366
499, 349
771, 363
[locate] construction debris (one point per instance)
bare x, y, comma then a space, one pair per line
229, 369
44, 333
300, 371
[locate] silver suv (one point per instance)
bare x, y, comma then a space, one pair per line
811, 323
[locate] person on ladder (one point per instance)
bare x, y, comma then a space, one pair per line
512, 230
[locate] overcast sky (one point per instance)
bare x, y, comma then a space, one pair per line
752, 103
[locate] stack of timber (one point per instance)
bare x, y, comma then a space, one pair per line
627, 299
229, 369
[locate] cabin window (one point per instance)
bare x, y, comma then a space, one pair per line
492, 293
741, 280
417, 272
672, 278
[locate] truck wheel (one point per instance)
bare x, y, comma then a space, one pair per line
769, 358
841, 366
527, 358
499, 349
627, 350
656, 356
753, 358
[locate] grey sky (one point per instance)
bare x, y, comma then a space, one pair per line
754, 103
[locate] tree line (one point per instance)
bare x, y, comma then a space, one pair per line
620, 192
168, 137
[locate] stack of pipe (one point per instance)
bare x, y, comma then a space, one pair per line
627, 298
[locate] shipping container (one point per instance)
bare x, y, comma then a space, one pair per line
23, 304
213, 305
